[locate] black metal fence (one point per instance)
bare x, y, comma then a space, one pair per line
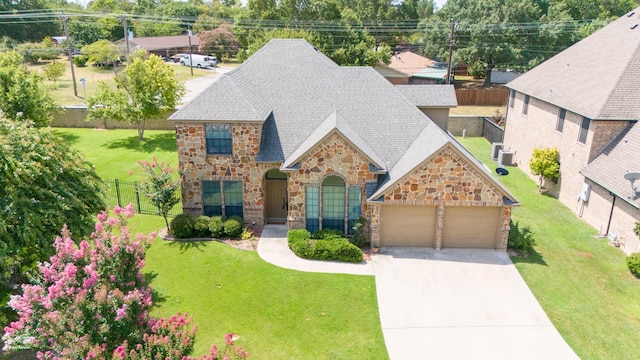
123, 193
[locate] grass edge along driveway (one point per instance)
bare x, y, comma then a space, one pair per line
278, 313
581, 282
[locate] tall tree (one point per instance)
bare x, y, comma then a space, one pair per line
44, 185
25, 28
146, 88
24, 96
102, 51
219, 41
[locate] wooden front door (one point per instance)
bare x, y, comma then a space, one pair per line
276, 200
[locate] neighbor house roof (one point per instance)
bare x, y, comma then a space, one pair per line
614, 161
597, 77
430, 95
162, 42
410, 63
301, 96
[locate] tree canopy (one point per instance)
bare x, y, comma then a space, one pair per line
44, 185
147, 87
24, 96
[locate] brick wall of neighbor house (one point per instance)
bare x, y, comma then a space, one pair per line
598, 209
523, 133
75, 117
438, 115
472, 124
445, 179
334, 155
241, 166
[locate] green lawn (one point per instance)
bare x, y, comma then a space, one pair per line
581, 282
115, 153
278, 313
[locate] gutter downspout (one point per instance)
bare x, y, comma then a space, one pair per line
613, 205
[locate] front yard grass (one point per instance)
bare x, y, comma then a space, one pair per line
115, 153
278, 313
582, 283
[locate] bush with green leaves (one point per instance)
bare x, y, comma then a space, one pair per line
359, 237
182, 226
216, 226
201, 227
633, 263
233, 226
80, 60
327, 234
328, 248
521, 239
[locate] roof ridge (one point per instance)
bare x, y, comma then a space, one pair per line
631, 59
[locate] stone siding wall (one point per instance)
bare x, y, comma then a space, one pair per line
333, 156
472, 124
75, 117
445, 179
198, 166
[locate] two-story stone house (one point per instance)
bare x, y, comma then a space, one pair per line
585, 102
292, 137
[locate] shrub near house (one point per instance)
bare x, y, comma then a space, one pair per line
328, 246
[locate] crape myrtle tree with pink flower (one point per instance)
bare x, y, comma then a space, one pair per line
91, 301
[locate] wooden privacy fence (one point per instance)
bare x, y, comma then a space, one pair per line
123, 193
482, 97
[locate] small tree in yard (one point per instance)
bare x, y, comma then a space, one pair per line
220, 41
546, 164
146, 88
53, 71
92, 301
160, 188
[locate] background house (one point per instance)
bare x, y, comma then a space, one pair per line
292, 136
410, 68
584, 101
163, 46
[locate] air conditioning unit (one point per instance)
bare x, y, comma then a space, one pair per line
495, 148
505, 157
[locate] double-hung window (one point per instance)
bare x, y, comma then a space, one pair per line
584, 130
217, 193
561, 115
512, 98
525, 106
218, 139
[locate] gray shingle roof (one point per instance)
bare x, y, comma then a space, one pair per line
622, 154
597, 77
430, 95
302, 96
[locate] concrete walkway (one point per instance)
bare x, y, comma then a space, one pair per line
444, 304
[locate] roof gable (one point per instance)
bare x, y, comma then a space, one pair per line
614, 161
333, 123
597, 77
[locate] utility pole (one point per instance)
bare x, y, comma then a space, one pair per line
451, 35
70, 52
126, 37
190, 52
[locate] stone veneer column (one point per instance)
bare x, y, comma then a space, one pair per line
439, 226
504, 231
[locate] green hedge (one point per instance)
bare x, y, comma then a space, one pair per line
633, 263
329, 248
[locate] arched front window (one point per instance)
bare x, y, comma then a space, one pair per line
333, 205
333, 199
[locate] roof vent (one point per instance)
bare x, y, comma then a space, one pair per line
631, 14
634, 26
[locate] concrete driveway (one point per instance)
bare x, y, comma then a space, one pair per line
460, 304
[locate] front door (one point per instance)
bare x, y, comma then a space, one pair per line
276, 197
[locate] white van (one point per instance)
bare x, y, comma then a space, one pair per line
199, 61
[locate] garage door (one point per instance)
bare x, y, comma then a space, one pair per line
470, 227
407, 225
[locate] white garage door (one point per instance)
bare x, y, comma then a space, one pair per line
470, 227
408, 225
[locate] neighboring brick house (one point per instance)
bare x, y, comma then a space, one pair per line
585, 102
290, 136
163, 46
